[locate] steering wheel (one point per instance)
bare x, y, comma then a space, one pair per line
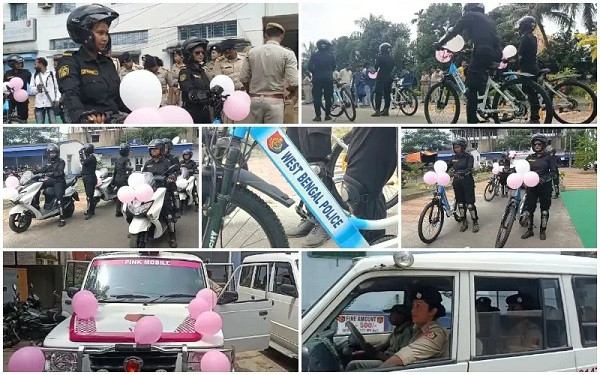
355, 333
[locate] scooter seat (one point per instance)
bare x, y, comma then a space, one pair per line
71, 181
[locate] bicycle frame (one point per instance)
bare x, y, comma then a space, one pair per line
343, 229
441, 191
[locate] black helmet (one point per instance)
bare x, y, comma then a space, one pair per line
474, 7
188, 46
188, 152
168, 144
88, 148
385, 48
323, 45
156, 144
124, 149
538, 137
527, 23
462, 142
14, 60
52, 149
81, 21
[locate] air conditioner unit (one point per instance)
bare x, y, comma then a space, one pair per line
45, 5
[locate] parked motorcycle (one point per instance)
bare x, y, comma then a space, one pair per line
187, 190
105, 191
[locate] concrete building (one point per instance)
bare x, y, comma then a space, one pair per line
101, 136
486, 140
33, 155
39, 29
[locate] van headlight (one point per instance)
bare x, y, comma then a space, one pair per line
141, 209
403, 259
59, 361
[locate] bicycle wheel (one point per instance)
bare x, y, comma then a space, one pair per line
407, 100
336, 108
442, 104
250, 223
373, 100
506, 224
517, 109
347, 103
433, 218
489, 192
578, 106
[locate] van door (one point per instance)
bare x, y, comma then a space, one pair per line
220, 273
284, 328
247, 320
75, 271
584, 322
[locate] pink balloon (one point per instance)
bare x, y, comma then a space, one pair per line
126, 194
372, 75
531, 179
209, 296
173, 114
27, 359
429, 177
85, 304
21, 95
144, 193
495, 170
145, 116
442, 178
236, 106
147, 330
443, 56
514, 181
209, 323
98, 182
15, 83
12, 182
503, 65
198, 306
215, 361
512, 154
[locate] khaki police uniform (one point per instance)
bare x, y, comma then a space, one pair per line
164, 77
209, 67
524, 336
175, 91
230, 68
266, 70
124, 71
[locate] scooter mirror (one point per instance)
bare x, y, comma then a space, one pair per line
175, 140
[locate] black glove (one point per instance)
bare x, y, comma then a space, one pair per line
199, 96
438, 46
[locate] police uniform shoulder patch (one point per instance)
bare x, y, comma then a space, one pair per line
63, 71
93, 72
182, 77
430, 335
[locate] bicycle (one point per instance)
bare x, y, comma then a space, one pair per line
226, 185
502, 101
434, 213
493, 187
342, 102
9, 115
403, 98
569, 97
514, 209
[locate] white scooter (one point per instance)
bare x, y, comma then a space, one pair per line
105, 191
21, 215
187, 191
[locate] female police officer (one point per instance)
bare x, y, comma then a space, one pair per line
194, 82
88, 79
463, 183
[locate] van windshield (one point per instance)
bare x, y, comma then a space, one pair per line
327, 291
145, 280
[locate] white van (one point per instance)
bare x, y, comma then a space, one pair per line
129, 286
560, 290
282, 271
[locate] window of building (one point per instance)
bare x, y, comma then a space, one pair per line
131, 37
18, 11
209, 30
63, 44
586, 300
60, 8
95, 138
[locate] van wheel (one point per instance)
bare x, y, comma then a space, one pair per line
20, 222
136, 241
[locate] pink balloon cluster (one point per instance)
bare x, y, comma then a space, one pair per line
215, 361
85, 304
147, 330
12, 182
497, 170
16, 84
443, 56
170, 114
514, 181
27, 359
432, 177
142, 193
208, 322
237, 106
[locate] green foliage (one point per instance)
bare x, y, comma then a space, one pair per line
27, 135
425, 139
586, 149
517, 139
564, 53
148, 134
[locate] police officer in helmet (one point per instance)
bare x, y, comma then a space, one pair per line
463, 183
172, 187
188, 163
122, 171
528, 62
88, 78
384, 80
321, 65
194, 81
16, 63
54, 169
88, 172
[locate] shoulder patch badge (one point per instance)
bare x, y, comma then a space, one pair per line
182, 77
93, 72
63, 71
430, 335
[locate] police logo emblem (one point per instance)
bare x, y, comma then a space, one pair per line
419, 295
182, 77
63, 71
276, 143
430, 335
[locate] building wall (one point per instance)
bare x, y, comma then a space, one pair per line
105, 137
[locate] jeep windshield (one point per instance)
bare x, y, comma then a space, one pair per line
145, 280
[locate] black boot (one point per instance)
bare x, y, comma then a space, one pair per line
474, 217
462, 214
544, 224
88, 212
302, 230
119, 209
172, 235
385, 112
63, 220
376, 114
464, 224
529, 232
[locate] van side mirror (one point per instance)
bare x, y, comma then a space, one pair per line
71, 291
227, 297
289, 290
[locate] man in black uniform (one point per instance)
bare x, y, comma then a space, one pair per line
372, 159
55, 171
384, 80
191, 166
121, 173
321, 65
172, 188
528, 62
544, 164
503, 175
158, 166
481, 29
88, 79
88, 172
194, 82
15, 62
463, 183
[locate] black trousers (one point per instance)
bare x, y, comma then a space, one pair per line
477, 74
22, 108
542, 192
383, 90
322, 87
464, 189
314, 142
89, 184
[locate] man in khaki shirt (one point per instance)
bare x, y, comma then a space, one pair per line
214, 55
265, 72
127, 65
230, 63
175, 92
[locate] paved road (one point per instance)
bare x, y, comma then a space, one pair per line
560, 234
104, 230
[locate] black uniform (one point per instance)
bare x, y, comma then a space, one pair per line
88, 172
504, 162
193, 80
121, 173
158, 168
463, 183
383, 83
528, 64
545, 166
55, 170
321, 65
22, 108
88, 85
190, 164
372, 159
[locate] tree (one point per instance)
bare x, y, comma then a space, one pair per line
517, 139
306, 54
565, 52
28, 135
586, 149
425, 139
589, 42
148, 134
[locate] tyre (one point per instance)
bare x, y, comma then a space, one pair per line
337, 109
432, 217
347, 103
579, 96
522, 111
373, 100
20, 222
70, 209
442, 104
408, 102
252, 223
506, 224
489, 192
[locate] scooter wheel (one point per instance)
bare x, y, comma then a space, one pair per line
20, 222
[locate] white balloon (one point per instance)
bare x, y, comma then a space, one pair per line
521, 166
141, 89
225, 82
135, 179
10, 193
508, 52
455, 44
495, 165
181, 183
440, 166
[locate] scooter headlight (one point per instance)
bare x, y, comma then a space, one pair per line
141, 209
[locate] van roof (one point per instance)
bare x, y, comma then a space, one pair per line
271, 257
159, 254
489, 261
